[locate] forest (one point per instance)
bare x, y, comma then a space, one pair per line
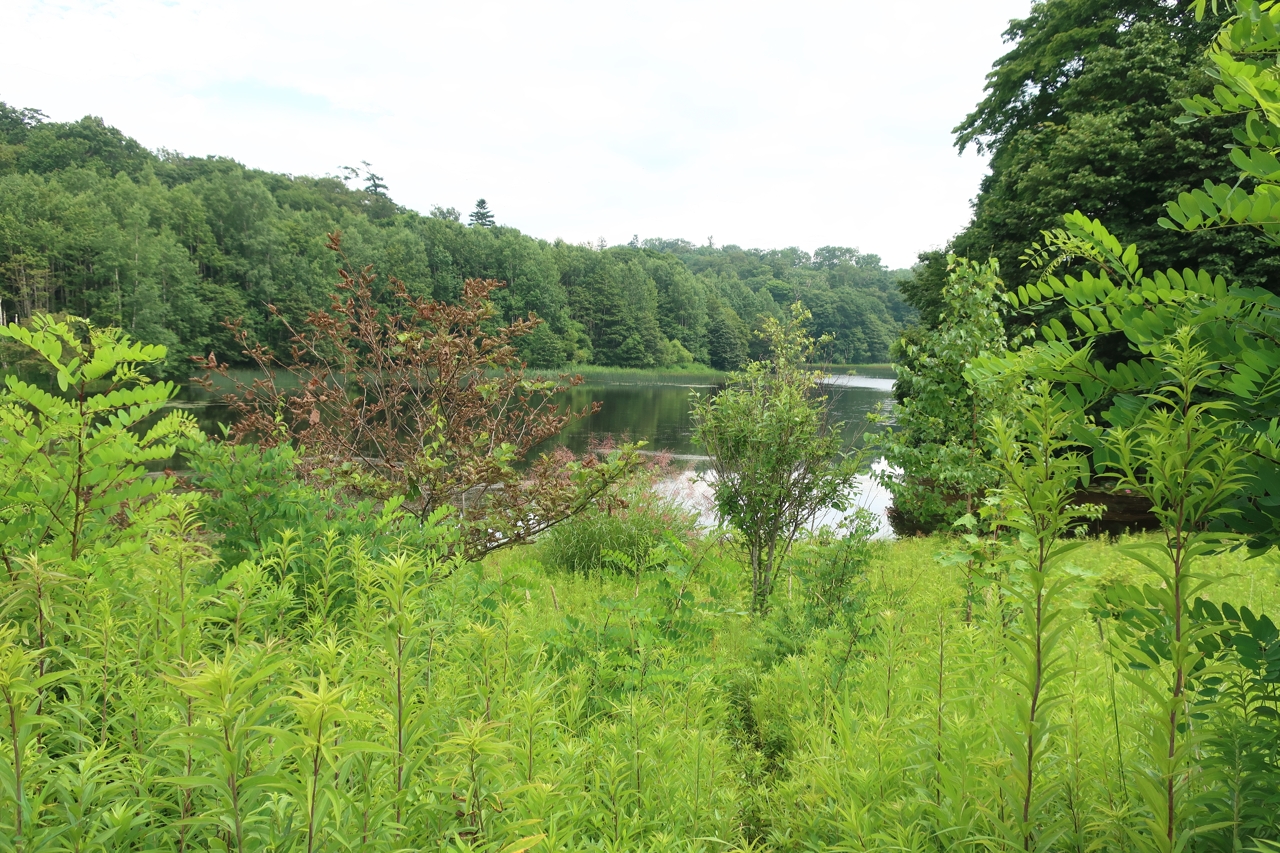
376, 613
171, 247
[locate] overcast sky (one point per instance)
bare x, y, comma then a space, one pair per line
763, 124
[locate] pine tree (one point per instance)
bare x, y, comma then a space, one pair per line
482, 216
373, 183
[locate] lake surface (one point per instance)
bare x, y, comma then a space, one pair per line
658, 413
655, 411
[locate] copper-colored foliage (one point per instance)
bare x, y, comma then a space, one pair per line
429, 401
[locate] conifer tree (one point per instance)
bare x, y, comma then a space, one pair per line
373, 183
482, 216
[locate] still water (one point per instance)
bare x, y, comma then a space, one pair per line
658, 413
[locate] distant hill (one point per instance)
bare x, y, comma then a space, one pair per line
169, 246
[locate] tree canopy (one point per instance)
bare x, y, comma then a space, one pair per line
1080, 114
168, 247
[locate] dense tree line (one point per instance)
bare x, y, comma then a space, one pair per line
1082, 114
168, 247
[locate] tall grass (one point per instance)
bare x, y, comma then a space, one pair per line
162, 700
930, 771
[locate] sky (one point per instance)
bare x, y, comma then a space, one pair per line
766, 125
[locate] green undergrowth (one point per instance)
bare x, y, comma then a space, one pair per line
877, 730
615, 539
374, 695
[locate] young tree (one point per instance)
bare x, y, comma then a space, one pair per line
482, 216
937, 444
776, 456
1041, 470
72, 473
427, 405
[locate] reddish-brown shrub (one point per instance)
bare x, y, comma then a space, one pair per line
426, 402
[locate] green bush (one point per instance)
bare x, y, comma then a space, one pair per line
582, 544
256, 501
777, 455
72, 476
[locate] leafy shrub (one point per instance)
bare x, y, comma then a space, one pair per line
825, 596
776, 455
252, 494
262, 508
936, 449
830, 570
72, 477
583, 544
428, 404
1242, 754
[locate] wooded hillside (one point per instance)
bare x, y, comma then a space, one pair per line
169, 246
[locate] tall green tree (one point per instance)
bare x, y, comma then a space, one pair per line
482, 216
726, 337
937, 446
1054, 45
1082, 114
373, 183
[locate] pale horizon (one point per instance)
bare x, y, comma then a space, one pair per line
818, 124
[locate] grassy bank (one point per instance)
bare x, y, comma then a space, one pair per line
694, 375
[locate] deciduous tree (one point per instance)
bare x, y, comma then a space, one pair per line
428, 405
777, 458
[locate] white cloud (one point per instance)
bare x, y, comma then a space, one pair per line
764, 124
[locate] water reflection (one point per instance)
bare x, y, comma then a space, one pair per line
691, 488
658, 414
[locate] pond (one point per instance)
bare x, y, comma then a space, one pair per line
659, 414
657, 411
